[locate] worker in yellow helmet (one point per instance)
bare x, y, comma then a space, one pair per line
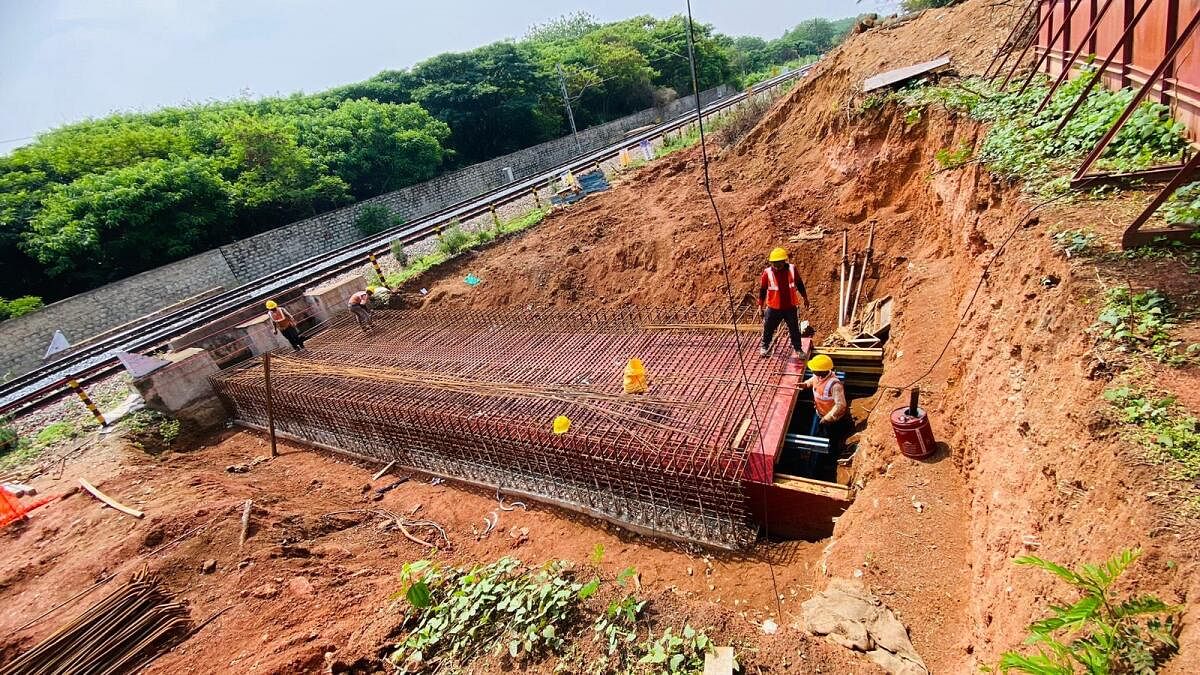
780, 292
282, 321
360, 304
831, 411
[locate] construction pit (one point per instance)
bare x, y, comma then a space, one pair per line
991, 320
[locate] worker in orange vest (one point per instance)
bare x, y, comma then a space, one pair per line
282, 321
360, 304
781, 290
833, 419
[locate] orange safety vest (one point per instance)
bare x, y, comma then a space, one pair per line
360, 298
823, 399
281, 319
773, 297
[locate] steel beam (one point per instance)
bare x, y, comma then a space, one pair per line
1134, 237
1049, 45
1066, 69
1006, 46
1167, 59
1032, 41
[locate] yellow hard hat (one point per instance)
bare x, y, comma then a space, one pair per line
271, 304
778, 254
371, 289
820, 363
561, 424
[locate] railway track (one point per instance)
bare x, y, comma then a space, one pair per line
98, 360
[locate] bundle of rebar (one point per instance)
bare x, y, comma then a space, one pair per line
472, 394
120, 634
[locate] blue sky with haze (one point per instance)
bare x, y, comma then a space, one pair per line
66, 60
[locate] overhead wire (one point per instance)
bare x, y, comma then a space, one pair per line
729, 293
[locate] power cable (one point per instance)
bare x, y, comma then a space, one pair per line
729, 294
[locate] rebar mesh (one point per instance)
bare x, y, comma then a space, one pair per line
472, 394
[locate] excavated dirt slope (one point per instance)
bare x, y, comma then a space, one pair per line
1034, 465
1031, 464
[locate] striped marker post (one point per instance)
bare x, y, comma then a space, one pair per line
87, 401
537, 200
375, 264
495, 216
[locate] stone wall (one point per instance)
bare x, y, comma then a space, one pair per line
275, 249
23, 340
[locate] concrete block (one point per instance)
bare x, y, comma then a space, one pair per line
186, 381
256, 334
329, 300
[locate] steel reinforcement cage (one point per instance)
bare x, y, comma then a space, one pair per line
472, 394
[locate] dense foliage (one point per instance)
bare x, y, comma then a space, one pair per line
102, 199
1020, 144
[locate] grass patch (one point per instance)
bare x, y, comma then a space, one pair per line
454, 240
151, 431
1076, 243
461, 614
1162, 428
1142, 323
679, 142
949, 159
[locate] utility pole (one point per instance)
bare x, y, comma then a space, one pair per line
562, 82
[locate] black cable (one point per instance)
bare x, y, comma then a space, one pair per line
733, 316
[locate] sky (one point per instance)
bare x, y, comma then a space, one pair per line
66, 60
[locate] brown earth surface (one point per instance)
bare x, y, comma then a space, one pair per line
1032, 460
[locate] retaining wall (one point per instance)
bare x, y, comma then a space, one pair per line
23, 340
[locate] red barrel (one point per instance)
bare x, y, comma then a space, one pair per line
914, 434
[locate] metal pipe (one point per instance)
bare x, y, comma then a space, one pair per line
866, 266
914, 398
842, 279
269, 400
1046, 54
850, 289
1032, 40
1012, 33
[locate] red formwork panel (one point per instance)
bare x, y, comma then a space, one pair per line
1150, 41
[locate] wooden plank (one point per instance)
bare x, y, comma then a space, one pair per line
900, 75
109, 500
814, 487
383, 470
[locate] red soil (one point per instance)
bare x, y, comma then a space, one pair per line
1032, 461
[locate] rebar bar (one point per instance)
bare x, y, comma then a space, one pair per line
472, 394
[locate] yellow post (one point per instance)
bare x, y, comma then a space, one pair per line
495, 217
87, 401
375, 264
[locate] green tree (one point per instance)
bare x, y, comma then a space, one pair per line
274, 179
489, 97
106, 226
376, 147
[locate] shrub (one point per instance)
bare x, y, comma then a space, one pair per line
9, 439
742, 119
375, 218
458, 614
11, 309
454, 241
398, 253
1106, 634
949, 159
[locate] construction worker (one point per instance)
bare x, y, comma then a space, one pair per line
282, 321
832, 416
781, 290
360, 304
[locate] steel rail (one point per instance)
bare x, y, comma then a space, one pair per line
46, 383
